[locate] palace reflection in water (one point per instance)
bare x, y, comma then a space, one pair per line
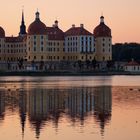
42, 105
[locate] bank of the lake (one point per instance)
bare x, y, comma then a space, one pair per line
67, 73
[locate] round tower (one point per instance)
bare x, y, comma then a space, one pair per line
103, 41
36, 40
2, 43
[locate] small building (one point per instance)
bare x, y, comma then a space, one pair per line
132, 66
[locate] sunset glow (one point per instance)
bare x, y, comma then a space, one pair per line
121, 16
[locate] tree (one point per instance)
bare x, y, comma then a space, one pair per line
94, 63
20, 63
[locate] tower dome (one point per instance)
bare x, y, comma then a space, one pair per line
2, 32
102, 30
37, 27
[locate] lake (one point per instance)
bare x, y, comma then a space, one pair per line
66, 108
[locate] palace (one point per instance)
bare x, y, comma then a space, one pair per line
50, 44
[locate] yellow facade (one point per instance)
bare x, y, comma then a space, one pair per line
55, 51
51, 44
103, 48
37, 45
12, 51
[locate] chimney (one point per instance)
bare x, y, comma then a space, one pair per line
73, 25
56, 23
82, 25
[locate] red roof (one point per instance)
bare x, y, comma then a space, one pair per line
77, 31
132, 63
2, 32
37, 28
54, 33
102, 30
14, 39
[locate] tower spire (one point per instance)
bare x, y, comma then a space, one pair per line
37, 15
102, 19
22, 15
22, 26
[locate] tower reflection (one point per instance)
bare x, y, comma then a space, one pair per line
2, 105
50, 105
103, 106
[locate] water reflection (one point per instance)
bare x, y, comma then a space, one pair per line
44, 105
103, 106
2, 106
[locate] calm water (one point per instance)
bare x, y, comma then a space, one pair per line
70, 108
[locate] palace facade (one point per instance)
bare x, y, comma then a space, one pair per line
50, 44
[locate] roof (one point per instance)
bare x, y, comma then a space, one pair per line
102, 30
2, 32
14, 39
132, 63
37, 28
54, 33
77, 31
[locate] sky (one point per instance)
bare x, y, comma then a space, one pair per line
122, 16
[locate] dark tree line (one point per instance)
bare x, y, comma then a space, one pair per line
126, 52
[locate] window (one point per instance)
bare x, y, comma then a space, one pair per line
90, 43
41, 57
134, 67
82, 43
82, 49
42, 43
42, 49
34, 57
34, 49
